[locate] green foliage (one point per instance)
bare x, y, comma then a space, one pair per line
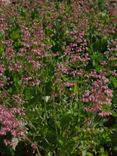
55, 118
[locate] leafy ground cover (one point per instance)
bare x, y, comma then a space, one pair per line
58, 78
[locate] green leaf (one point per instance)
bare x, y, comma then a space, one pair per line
15, 34
49, 154
1, 49
89, 154
114, 81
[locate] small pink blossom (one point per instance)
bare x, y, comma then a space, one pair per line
105, 114
2, 69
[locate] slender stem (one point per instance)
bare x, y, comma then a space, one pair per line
37, 149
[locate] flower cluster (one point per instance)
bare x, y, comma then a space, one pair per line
77, 51
2, 69
99, 95
30, 81
55, 62
10, 124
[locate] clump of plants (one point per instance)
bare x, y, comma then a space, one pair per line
58, 78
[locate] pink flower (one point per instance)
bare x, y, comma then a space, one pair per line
34, 146
35, 63
63, 68
10, 124
2, 69
98, 95
103, 63
105, 114
93, 109
5, 2
17, 99
15, 67
69, 84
